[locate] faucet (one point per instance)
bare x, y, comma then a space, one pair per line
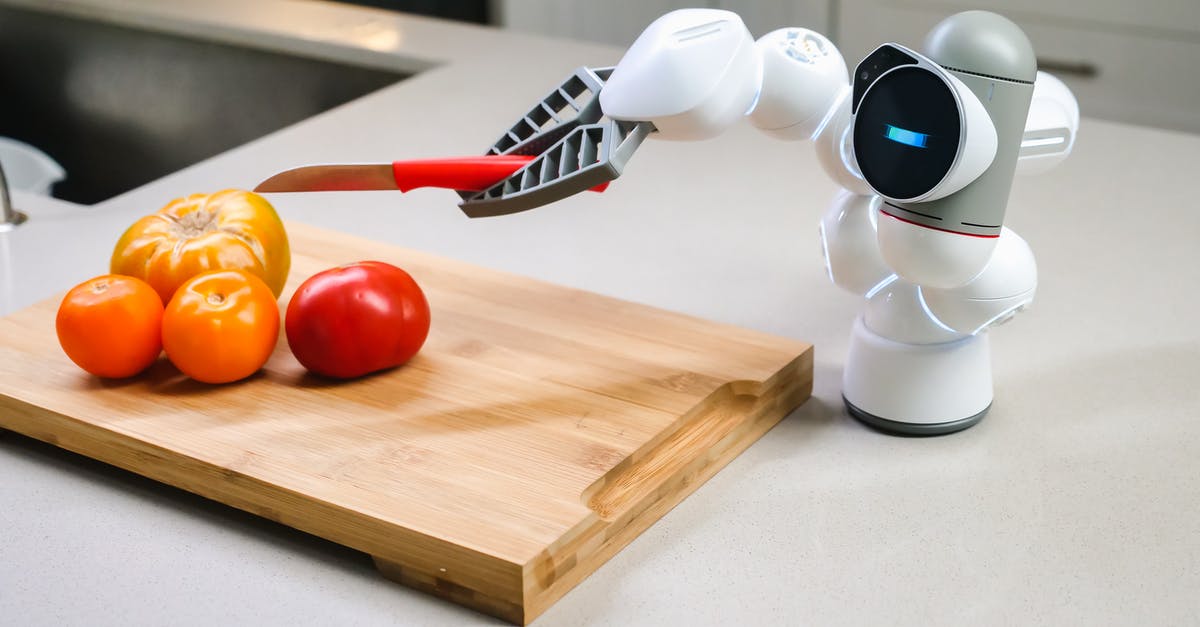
9, 217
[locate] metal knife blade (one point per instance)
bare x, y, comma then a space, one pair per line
331, 178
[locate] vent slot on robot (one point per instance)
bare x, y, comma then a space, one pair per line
693, 33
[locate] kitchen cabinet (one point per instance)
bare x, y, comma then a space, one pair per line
1125, 61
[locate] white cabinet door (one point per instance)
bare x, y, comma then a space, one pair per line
1144, 72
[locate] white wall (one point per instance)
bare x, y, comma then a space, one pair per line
619, 23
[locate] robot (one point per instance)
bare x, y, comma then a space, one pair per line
924, 144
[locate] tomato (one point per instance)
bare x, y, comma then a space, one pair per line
231, 229
221, 326
111, 326
356, 319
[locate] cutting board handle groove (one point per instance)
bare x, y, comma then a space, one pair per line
694, 441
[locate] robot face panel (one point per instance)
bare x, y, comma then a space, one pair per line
907, 133
919, 133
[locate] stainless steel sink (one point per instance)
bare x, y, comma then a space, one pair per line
119, 107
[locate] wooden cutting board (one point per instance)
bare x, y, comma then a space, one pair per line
538, 432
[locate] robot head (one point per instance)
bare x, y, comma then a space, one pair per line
938, 136
919, 133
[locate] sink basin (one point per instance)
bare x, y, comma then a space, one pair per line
119, 107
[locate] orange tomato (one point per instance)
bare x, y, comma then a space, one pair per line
228, 230
221, 326
111, 326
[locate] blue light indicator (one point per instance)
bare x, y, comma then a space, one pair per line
905, 136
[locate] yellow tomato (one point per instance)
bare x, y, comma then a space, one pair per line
228, 230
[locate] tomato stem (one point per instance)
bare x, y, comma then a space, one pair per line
196, 223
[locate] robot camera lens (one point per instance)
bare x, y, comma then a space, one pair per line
865, 75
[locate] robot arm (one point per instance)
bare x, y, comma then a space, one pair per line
692, 74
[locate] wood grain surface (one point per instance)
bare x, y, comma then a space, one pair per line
540, 430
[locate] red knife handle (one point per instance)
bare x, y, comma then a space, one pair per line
460, 173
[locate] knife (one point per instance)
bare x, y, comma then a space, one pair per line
467, 174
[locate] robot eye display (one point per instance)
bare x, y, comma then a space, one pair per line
905, 136
907, 132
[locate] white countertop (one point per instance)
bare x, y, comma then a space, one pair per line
1076, 501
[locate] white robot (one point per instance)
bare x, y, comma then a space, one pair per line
925, 145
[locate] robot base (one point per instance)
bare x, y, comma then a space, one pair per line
917, 389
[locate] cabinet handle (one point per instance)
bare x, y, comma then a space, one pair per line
1082, 69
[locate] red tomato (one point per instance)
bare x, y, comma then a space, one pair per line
356, 319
